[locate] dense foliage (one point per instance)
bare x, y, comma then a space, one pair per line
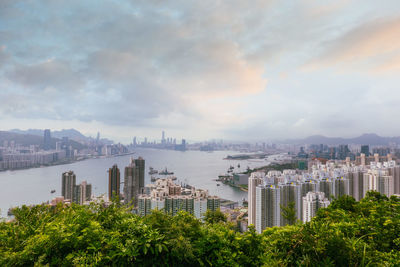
348, 233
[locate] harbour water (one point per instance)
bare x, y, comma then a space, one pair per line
196, 168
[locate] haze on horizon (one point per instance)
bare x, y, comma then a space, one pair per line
201, 69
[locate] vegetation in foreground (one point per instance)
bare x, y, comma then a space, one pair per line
347, 233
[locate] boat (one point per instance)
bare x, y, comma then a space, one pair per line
166, 172
52, 191
153, 178
10, 213
152, 171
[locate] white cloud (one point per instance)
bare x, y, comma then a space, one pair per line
190, 65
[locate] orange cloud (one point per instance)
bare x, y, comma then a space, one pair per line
367, 46
390, 65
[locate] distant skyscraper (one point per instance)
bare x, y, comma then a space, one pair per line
131, 183
58, 145
68, 184
362, 159
163, 138
365, 150
183, 144
134, 141
47, 140
114, 181
312, 202
255, 179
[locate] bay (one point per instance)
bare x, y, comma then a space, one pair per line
196, 168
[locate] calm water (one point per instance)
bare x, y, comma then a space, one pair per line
196, 168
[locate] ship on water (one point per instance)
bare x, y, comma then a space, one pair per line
166, 172
152, 171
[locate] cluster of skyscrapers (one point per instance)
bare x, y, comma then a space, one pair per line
133, 181
164, 194
16, 156
269, 193
166, 143
71, 192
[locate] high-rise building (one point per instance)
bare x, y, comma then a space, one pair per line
113, 182
385, 185
255, 179
47, 140
327, 186
379, 180
342, 186
176, 203
267, 207
395, 172
134, 141
140, 163
356, 184
362, 159
183, 144
131, 183
312, 202
68, 184
58, 145
381, 151
365, 150
290, 193
82, 193
306, 186
163, 138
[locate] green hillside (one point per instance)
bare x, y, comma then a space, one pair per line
348, 233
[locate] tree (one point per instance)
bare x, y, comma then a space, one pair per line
289, 213
214, 216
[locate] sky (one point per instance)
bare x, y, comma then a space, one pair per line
236, 70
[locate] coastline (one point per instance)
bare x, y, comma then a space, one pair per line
68, 162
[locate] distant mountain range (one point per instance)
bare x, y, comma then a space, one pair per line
32, 139
72, 134
365, 139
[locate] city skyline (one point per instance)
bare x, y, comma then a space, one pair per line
220, 73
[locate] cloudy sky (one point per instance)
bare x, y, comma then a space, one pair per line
239, 70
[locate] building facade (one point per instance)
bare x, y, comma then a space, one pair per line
114, 181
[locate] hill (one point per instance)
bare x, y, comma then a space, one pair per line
30, 139
72, 134
365, 139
